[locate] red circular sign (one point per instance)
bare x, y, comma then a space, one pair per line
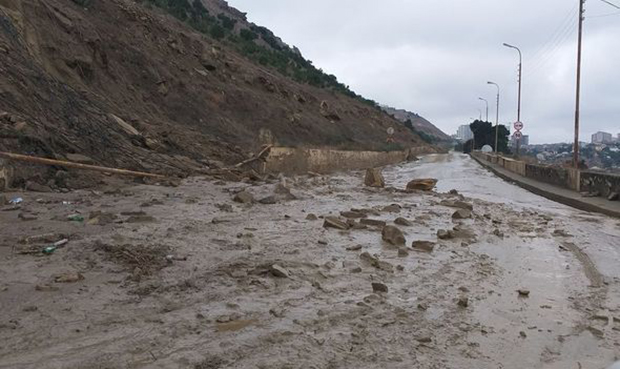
518, 126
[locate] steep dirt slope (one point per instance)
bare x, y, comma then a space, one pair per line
419, 123
130, 86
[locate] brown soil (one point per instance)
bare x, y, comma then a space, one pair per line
134, 88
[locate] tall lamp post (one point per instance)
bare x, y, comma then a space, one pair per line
487, 102
496, 115
520, 80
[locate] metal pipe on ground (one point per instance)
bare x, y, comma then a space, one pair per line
69, 164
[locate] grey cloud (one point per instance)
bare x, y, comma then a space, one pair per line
435, 57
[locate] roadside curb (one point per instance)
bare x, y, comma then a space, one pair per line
569, 201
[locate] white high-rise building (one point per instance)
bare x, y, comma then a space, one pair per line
464, 133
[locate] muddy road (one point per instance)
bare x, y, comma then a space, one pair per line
186, 277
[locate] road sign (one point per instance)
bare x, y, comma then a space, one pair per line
390, 131
518, 126
517, 135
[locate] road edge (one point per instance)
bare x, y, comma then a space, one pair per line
572, 202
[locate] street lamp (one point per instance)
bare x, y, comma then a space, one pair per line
496, 115
487, 102
520, 79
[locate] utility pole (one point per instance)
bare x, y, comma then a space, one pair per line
520, 79
578, 95
496, 116
487, 102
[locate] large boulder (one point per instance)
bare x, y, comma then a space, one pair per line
393, 236
424, 184
374, 178
333, 222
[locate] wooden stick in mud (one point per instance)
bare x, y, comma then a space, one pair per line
70, 164
260, 155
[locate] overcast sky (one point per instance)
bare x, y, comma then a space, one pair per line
434, 57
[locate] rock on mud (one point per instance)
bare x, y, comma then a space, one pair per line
393, 236
373, 222
425, 184
461, 214
374, 178
279, 271
403, 222
443, 234
312, 217
244, 197
425, 246
457, 204
333, 222
379, 287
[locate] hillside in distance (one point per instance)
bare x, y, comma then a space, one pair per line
166, 85
419, 123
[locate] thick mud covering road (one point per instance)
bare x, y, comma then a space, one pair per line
186, 277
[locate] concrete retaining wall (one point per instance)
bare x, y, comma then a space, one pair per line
298, 160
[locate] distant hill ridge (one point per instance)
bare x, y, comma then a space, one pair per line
420, 124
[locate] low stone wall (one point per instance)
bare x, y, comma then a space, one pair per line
563, 177
603, 183
297, 160
552, 175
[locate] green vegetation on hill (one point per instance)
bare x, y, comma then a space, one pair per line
248, 42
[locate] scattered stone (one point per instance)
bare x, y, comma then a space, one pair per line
35, 187
403, 222
522, 334
26, 217
424, 339
46, 288
333, 222
101, 218
523, 293
244, 197
394, 208
141, 219
284, 192
461, 214
453, 192
379, 287
356, 270
70, 277
498, 233
354, 248
323, 242
426, 184
374, 178
393, 236
402, 252
425, 246
373, 222
353, 214
442, 234
312, 217
457, 204
220, 220
269, 200
278, 271
561, 233
614, 196
375, 262
463, 301
422, 306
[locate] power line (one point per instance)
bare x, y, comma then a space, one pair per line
610, 3
553, 50
570, 17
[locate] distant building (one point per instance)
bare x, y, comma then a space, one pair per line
464, 133
601, 138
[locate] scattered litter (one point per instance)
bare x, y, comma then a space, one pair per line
17, 200
76, 218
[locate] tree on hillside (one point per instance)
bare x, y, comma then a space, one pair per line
484, 134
